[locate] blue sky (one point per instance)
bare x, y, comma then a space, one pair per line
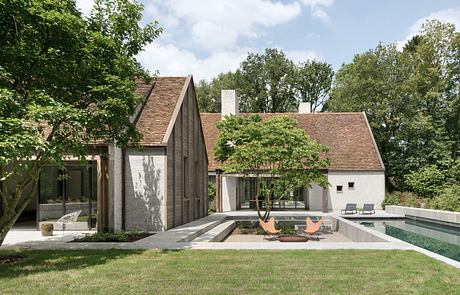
206, 37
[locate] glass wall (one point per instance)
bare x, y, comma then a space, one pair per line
66, 191
246, 196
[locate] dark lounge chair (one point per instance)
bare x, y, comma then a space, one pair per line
350, 208
368, 209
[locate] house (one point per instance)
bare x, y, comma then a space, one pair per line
158, 185
356, 173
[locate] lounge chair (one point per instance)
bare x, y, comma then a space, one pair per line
269, 228
313, 228
68, 219
369, 208
350, 207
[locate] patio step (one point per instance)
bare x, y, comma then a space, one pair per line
217, 233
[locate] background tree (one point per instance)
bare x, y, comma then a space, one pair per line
65, 82
411, 100
313, 81
268, 83
208, 94
280, 155
375, 82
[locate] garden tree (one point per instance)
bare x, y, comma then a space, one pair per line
65, 81
313, 81
265, 83
208, 94
278, 154
410, 97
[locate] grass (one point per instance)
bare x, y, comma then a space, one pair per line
227, 272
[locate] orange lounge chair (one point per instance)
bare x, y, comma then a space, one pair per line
313, 228
269, 228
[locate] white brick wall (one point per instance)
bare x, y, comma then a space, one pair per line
229, 185
369, 187
145, 178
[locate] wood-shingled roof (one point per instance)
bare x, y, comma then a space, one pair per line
352, 145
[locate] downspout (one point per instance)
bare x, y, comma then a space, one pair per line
218, 190
123, 189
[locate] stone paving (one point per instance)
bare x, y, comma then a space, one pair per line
334, 237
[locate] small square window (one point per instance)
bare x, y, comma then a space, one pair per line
351, 185
340, 188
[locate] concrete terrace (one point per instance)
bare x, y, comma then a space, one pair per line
185, 237
29, 237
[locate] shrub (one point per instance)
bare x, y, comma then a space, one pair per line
211, 196
391, 199
113, 237
408, 199
426, 181
448, 199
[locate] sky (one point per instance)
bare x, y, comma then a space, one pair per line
207, 37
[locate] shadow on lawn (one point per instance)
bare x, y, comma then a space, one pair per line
42, 261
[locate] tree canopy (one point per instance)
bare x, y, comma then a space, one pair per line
281, 156
411, 98
270, 83
65, 81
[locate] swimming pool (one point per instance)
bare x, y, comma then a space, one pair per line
441, 238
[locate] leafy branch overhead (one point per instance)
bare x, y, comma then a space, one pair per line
66, 81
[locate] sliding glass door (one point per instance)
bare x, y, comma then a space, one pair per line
246, 193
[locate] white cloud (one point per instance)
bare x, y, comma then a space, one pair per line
317, 9
449, 15
85, 6
217, 25
172, 61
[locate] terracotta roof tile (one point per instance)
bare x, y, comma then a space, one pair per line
347, 134
153, 119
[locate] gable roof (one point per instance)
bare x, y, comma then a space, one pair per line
163, 95
348, 135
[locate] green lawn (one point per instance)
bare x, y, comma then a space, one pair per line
227, 272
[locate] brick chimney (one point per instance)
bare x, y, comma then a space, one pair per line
229, 103
304, 108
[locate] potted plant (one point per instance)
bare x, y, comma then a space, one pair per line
46, 229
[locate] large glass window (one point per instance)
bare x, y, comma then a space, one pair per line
69, 190
246, 196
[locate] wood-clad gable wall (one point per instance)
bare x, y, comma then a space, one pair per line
187, 168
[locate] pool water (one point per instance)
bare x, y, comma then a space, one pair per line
443, 239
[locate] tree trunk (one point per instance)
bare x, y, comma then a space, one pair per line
13, 210
5, 226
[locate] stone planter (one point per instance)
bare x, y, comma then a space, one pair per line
47, 229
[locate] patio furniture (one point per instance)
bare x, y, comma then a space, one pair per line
68, 219
313, 228
269, 228
369, 208
350, 207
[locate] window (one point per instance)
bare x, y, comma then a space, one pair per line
351, 185
340, 188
